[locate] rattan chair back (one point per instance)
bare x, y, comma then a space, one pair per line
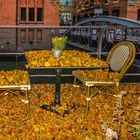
121, 57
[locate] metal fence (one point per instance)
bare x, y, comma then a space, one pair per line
94, 39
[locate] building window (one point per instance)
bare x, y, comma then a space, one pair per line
31, 14
86, 15
31, 11
138, 15
105, 13
116, 13
39, 14
23, 14
91, 14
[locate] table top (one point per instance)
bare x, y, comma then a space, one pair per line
70, 59
72, 68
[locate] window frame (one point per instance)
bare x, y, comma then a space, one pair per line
22, 15
38, 15
31, 16
31, 13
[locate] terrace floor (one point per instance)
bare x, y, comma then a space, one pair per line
106, 114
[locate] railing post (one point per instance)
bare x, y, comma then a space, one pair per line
99, 45
125, 34
17, 30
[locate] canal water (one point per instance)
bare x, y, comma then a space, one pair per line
37, 77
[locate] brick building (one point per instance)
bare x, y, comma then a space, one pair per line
121, 8
27, 13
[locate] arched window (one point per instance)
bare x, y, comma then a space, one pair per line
105, 13
116, 12
138, 15
91, 14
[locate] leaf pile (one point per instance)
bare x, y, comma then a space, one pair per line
14, 77
120, 115
69, 58
98, 75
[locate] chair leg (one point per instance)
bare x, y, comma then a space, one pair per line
38, 96
75, 83
117, 86
27, 103
3, 93
87, 102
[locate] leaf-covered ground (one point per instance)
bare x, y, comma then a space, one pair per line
109, 117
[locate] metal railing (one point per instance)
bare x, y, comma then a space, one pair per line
95, 39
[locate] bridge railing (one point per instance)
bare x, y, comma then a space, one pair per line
94, 39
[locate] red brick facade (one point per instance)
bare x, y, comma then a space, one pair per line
8, 11
125, 8
28, 13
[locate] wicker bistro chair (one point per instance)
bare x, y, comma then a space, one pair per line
8, 86
120, 58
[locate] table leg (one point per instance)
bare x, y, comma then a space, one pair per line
57, 98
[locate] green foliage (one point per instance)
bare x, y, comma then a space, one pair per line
59, 42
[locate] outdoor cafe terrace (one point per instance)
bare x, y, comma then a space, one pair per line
90, 92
